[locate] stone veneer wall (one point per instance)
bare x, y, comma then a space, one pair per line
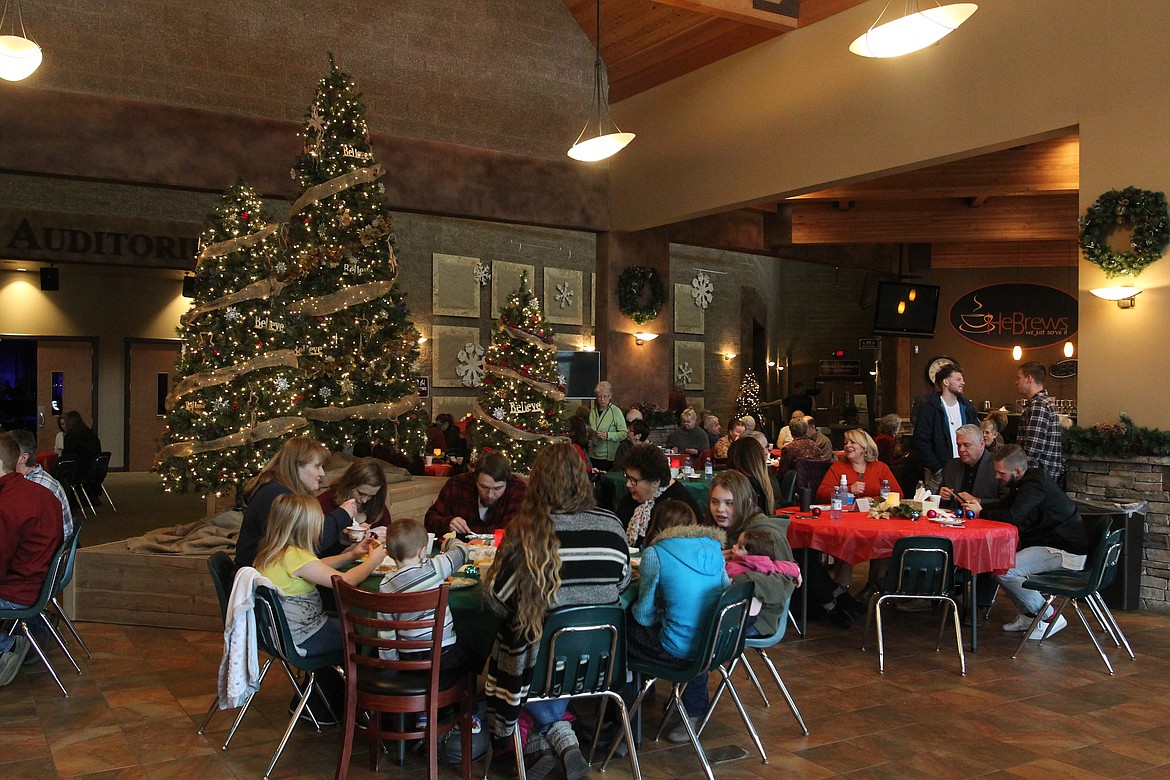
1124, 481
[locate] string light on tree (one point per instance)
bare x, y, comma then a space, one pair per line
748, 401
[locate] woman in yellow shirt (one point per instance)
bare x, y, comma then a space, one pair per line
285, 556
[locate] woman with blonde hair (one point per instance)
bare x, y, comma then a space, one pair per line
862, 470
560, 551
299, 467
992, 426
364, 483
285, 556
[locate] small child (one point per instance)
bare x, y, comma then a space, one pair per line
406, 543
753, 556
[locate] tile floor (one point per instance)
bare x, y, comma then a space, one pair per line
1054, 712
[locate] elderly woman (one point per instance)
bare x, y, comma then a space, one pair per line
886, 440
688, 438
608, 426
637, 433
735, 429
993, 425
862, 470
648, 481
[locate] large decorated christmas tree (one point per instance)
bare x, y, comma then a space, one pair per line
345, 309
238, 389
523, 397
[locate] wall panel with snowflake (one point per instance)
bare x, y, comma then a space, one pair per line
506, 280
564, 296
446, 344
688, 364
687, 317
455, 290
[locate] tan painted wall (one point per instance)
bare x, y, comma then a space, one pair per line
801, 112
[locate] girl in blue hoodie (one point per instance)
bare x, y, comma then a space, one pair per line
682, 573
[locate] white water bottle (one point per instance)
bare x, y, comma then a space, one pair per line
838, 499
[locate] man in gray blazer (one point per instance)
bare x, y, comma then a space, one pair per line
972, 474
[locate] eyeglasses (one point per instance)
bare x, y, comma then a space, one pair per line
633, 480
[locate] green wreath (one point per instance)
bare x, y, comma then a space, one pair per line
1143, 209
632, 299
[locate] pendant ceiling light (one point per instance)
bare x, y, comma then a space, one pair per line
915, 29
600, 138
19, 55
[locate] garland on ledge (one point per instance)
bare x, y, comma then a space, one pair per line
1145, 211
632, 286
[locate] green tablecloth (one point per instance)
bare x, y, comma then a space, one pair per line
699, 489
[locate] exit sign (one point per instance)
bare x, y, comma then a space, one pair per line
867, 343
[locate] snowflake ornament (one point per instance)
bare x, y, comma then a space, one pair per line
325, 392
483, 272
470, 365
702, 290
219, 404
282, 384
280, 268
564, 295
498, 412
233, 314
347, 385
683, 373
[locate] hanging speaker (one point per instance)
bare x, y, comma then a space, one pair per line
188, 286
50, 279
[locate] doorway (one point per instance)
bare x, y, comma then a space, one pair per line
150, 370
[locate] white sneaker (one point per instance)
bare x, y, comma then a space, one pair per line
1042, 626
1021, 623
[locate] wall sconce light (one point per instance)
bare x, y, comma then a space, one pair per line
588, 348
640, 338
1069, 349
771, 364
422, 340
1017, 352
1124, 296
729, 356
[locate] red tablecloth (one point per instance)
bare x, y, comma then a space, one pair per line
438, 470
983, 545
47, 459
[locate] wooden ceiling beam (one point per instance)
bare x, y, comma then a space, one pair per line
744, 12
1003, 254
1042, 167
1052, 217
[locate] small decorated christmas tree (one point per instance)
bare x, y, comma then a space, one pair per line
523, 396
239, 389
347, 312
748, 401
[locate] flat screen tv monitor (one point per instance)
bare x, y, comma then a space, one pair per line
904, 309
581, 371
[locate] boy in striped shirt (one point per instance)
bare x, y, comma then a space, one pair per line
406, 543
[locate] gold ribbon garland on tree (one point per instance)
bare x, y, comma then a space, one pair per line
282, 357
269, 429
342, 299
512, 431
365, 411
552, 391
265, 288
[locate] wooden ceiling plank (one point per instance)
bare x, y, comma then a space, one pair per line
741, 11
1002, 254
1042, 167
929, 221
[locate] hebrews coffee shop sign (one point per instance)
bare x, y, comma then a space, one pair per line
1003, 315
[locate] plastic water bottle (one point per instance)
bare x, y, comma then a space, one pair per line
885, 491
838, 499
708, 470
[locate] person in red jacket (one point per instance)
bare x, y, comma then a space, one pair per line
480, 502
31, 533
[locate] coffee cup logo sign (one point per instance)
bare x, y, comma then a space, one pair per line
1003, 315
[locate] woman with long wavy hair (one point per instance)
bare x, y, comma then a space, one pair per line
560, 551
364, 483
745, 456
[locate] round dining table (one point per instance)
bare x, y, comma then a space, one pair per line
980, 545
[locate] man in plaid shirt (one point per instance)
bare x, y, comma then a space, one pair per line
479, 502
1039, 433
